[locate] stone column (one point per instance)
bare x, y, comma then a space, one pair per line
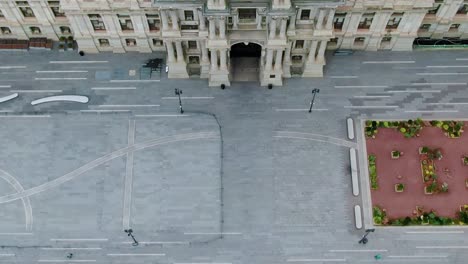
282, 33
311, 56
272, 28
287, 62
329, 24
165, 22
201, 20
259, 22
269, 60
235, 22
223, 59
214, 60
320, 18
180, 52
278, 60
204, 51
212, 28
222, 28
292, 22
321, 52
170, 51
174, 20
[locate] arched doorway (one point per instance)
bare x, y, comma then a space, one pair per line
245, 61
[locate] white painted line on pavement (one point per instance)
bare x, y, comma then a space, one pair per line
28, 116
420, 256
67, 260
316, 260
66, 62
422, 84
128, 181
202, 263
214, 233
372, 96
125, 81
461, 59
36, 91
161, 115
357, 250
60, 71
12, 67
435, 232
300, 110
16, 234
441, 247
187, 97
59, 79
7, 255
442, 73
455, 103
451, 66
127, 105
5, 86
370, 106
113, 88
79, 239
71, 248
344, 77
104, 111
414, 91
135, 254
387, 62
158, 242
360, 86
431, 111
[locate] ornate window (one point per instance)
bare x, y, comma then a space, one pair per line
305, 14
65, 30
359, 41
23, 6
125, 22
35, 30
434, 9
299, 44
194, 59
104, 42
394, 21
296, 59
338, 20
463, 9
188, 15
157, 42
96, 21
154, 22
366, 20
192, 44
5, 30
454, 27
130, 42
247, 15
55, 7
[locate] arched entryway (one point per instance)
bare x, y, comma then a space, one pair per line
245, 61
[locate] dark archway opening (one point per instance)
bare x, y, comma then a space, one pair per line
245, 61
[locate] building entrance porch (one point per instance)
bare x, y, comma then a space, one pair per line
245, 62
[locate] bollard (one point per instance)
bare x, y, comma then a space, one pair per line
223, 86
270, 86
81, 53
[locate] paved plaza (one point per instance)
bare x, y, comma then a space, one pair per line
245, 175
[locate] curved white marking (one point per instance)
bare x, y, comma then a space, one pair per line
8, 97
60, 98
26, 202
310, 136
115, 154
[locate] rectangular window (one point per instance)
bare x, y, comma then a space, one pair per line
125, 22
334, 41
96, 21
188, 15
247, 15
359, 41
454, 27
130, 42
192, 44
463, 9
394, 21
188, 27
296, 59
35, 30
366, 21
386, 39
25, 9
55, 7
157, 42
194, 60
154, 22
5, 30
104, 43
65, 30
299, 44
305, 14
434, 10
338, 20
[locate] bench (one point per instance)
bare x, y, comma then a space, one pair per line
357, 216
354, 172
350, 125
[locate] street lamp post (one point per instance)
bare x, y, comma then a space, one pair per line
130, 234
314, 92
364, 239
178, 92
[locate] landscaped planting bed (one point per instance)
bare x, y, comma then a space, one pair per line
418, 171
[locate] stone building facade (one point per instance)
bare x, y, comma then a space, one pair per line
213, 39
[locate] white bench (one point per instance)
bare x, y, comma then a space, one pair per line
8, 97
60, 98
354, 172
350, 124
357, 216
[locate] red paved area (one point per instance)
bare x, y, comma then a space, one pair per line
408, 166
